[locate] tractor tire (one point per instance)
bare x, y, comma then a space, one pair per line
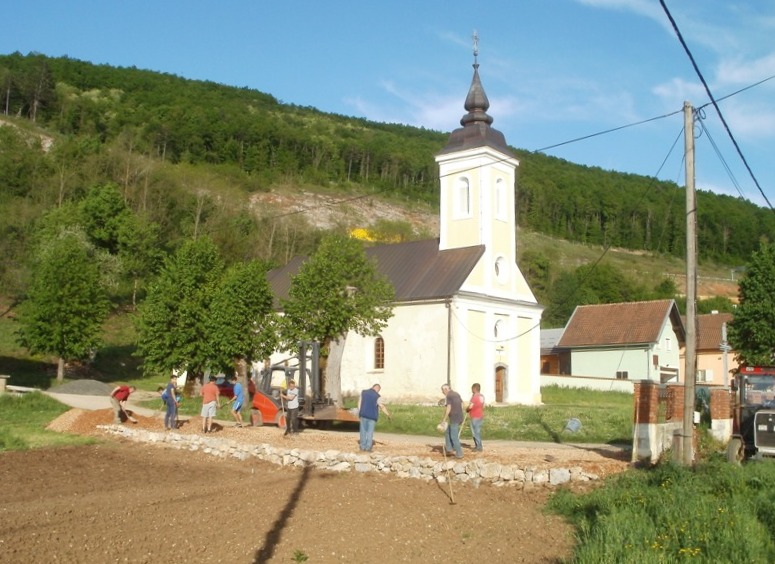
257, 419
280, 420
735, 452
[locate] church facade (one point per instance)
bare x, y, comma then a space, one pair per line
464, 312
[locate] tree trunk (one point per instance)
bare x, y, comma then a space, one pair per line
60, 370
333, 370
241, 368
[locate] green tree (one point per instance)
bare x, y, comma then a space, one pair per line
240, 323
66, 302
103, 213
337, 290
172, 322
752, 331
139, 249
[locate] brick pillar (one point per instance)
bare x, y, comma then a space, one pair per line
646, 394
721, 403
677, 411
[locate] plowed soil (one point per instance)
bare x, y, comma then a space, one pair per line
119, 501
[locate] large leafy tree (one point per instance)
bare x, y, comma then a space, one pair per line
752, 331
337, 290
172, 322
240, 323
66, 302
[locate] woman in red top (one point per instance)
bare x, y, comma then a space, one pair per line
476, 414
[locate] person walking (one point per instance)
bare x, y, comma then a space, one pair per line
118, 398
475, 411
170, 397
369, 406
210, 404
453, 412
237, 400
291, 397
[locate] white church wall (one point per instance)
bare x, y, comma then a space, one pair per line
415, 356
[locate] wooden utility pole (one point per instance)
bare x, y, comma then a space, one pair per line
690, 369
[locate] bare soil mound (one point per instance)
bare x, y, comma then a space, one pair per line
124, 501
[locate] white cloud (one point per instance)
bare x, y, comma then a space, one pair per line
738, 71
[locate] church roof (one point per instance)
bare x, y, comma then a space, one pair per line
418, 270
476, 131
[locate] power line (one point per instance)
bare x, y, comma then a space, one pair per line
713, 101
541, 150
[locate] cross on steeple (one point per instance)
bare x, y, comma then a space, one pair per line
476, 45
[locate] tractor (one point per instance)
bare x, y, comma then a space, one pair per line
753, 418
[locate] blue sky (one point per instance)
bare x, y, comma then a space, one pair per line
554, 70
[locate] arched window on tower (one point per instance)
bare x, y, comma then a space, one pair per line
463, 199
379, 353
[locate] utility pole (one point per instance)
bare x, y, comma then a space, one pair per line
725, 348
690, 369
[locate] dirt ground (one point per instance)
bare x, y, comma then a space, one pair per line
119, 501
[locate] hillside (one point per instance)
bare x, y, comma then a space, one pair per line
263, 179
171, 142
327, 211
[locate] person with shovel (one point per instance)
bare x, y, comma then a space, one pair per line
118, 399
453, 412
369, 406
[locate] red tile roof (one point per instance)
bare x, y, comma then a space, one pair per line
709, 330
621, 324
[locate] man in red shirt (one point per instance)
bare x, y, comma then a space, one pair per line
118, 399
476, 413
210, 404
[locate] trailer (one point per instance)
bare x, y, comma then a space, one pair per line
753, 414
316, 407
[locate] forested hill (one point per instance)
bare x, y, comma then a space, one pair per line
145, 131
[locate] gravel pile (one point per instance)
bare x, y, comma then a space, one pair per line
83, 388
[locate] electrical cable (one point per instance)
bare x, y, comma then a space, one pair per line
713, 102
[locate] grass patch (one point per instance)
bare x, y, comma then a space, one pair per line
716, 512
606, 417
23, 421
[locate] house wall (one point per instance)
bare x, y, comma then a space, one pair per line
606, 363
637, 361
415, 355
713, 364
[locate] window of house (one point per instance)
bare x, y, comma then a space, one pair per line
668, 344
705, 375
463, 197
379, 353
622, 375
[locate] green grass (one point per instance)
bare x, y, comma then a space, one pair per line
716, 512
23, 421
606, 417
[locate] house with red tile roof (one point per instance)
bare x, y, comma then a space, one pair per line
625, 341
711, 361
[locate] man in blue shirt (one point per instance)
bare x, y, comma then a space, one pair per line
369, 407
237, 399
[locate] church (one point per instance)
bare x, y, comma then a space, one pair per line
464, 312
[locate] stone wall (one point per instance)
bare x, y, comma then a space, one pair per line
475, 472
